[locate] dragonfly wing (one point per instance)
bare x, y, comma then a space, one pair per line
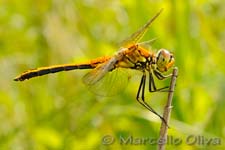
99, 72
110, 84
147, 44
135, 37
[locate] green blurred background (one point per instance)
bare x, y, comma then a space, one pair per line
58, 112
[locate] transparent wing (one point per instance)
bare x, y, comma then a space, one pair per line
147, 44
110, 84
135, 37
99, 72
95, 75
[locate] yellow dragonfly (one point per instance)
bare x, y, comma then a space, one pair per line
106, 71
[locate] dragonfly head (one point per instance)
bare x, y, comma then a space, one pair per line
164, 60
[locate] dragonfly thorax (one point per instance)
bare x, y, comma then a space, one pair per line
164, 60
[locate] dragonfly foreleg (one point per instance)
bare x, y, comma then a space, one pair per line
152, 86
160, 76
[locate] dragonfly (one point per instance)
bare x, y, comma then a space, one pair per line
131, 55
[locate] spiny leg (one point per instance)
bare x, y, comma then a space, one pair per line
152, 85
160, 76
141, 90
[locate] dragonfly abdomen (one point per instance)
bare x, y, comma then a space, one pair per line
52, 69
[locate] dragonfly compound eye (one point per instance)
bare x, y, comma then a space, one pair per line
164, 60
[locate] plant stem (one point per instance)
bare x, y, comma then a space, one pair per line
167, 110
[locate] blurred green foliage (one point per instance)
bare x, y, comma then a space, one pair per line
58, 112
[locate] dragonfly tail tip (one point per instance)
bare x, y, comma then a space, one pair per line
15, 79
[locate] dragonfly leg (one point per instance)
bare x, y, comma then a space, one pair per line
141, 90
160, 76
152, 86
